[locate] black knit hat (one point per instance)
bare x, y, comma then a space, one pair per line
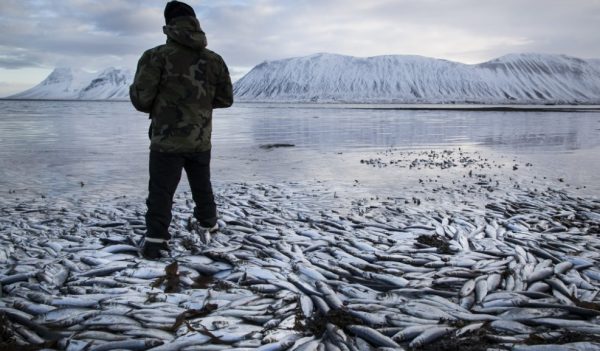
176, 9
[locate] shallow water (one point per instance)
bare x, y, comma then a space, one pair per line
56, 147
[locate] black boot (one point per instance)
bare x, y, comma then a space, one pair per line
152, 249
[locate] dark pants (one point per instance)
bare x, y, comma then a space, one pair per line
165, 173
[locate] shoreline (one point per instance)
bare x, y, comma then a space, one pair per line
484, 107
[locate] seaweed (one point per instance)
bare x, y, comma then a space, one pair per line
171, 279
203, 282
435, 241
474, 342
317, 324
585, 304
8, 340
564, 338
7, 332
275, 146
222, 285
189, 314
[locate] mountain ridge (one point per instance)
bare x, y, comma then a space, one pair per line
528, 78
525, 78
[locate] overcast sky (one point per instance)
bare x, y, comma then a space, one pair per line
38, 35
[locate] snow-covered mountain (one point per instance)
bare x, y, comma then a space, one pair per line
74, 84
510, 79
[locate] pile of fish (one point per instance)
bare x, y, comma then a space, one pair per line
520, 273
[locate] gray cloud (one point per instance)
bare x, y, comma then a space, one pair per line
12, 58
73, 32
97, 33
463, 30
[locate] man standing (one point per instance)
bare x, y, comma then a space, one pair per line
179, 84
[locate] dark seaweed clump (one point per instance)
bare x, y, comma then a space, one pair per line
170, 280
275, 146
317, 324
565, 337
474, 342
6, 330
203, 282
435, 241
8, 340
479, 341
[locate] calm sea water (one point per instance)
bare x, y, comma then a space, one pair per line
55, 148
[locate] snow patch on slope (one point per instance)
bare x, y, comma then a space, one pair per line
112, 83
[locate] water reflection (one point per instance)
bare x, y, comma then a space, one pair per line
542, 142
363, 129
54, 146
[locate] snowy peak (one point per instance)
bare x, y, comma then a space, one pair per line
58, 75
112, 83
62, 81
514, 78
74, 84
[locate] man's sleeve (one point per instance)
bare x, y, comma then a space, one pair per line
224, 91
144, 89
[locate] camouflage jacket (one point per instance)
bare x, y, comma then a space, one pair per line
179, 84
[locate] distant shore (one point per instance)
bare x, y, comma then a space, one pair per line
441, 107
389, 106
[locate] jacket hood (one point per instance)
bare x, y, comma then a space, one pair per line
186, 31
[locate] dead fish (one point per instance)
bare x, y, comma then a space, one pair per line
372, 336
430, 335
